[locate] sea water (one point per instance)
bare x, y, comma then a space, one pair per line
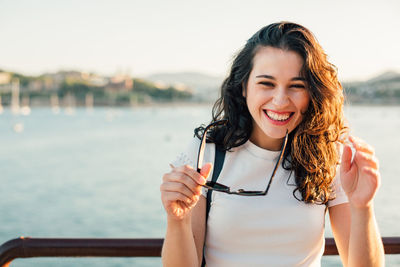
96, 173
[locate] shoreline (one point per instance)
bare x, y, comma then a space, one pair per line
183, 104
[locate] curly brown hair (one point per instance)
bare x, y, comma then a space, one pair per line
313, 153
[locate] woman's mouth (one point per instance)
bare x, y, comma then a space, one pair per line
278, 117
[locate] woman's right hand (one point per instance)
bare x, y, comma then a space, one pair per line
181, 189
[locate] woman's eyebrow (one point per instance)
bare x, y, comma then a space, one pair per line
298, 79
266, 76
273, 78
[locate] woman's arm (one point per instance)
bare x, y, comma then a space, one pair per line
185, 207
354, 224
356, 235
183, 245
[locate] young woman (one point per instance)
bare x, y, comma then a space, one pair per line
281, 95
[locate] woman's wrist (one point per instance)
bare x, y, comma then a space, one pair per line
179, 222
362, 211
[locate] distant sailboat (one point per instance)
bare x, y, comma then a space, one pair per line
70, 104
1, 106
25, 109
15, 108
15, 96
54, 103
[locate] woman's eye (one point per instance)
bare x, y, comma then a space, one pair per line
267, 84
298, 86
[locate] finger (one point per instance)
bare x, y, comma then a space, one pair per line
177, 187
370, 171
367, 160
346, 159
169, 197
189, 171
183, 178
205, 170
361, 145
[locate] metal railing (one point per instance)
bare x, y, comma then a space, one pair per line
27, 247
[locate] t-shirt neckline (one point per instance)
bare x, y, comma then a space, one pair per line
260, 152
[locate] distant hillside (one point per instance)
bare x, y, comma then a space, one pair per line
382, 89
76, 88
205, 87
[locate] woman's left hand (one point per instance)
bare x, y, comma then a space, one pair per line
360, 178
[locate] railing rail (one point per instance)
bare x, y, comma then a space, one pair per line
26, 247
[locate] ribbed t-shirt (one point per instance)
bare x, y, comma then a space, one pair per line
271, 230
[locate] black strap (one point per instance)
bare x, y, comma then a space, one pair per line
218, 163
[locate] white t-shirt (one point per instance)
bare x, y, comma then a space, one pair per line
271, 230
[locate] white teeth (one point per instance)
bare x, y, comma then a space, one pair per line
278, 117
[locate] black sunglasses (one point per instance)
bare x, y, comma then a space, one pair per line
226, 189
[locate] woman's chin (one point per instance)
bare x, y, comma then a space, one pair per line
276, 133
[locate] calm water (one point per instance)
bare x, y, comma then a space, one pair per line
97, 174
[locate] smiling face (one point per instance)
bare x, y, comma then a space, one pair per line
276, 95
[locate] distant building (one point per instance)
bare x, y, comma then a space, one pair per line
119, 83
5, 82
53, 81
182, 87
97, 80
161, 85
5, 78
35, 85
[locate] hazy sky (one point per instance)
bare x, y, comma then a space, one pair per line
362, 38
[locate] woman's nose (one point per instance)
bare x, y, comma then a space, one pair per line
280, 97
